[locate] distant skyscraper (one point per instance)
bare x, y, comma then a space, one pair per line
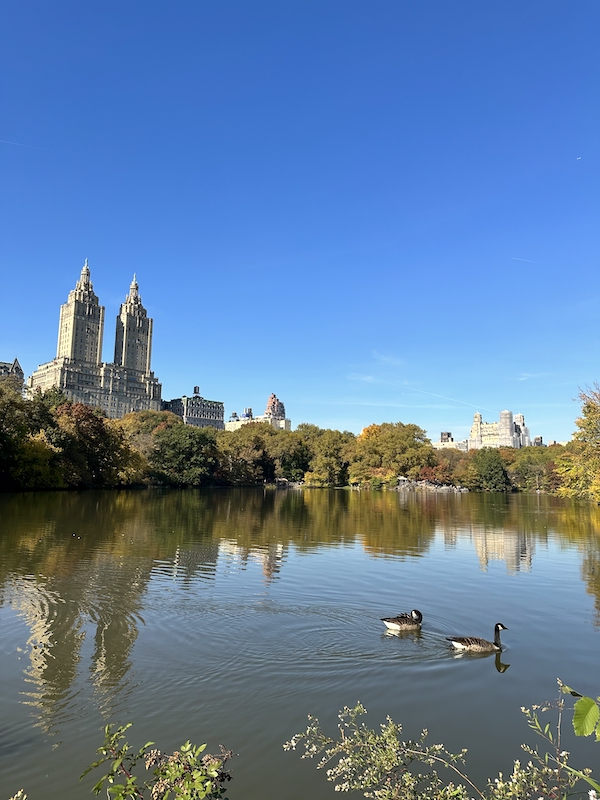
118, 388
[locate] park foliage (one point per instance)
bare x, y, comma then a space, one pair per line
382, 764
385, 765
49, 443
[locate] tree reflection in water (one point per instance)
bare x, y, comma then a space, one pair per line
79, 563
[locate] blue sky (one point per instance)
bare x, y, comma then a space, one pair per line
379, 210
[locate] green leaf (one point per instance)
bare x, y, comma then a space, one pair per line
585, 716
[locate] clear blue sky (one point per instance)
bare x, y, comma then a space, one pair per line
380, 210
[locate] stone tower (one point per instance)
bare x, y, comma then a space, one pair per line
81, 323
506, 430
275, 408
133, 339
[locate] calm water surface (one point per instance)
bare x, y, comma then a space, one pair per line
228, 616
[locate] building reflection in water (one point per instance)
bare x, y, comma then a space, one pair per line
270, 558
515, 548
77, 567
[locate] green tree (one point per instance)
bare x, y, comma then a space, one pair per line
331, 456
291, 454
14, 430
246, 456
489, 472
184, 455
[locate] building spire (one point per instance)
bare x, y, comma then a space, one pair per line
84, 278
133, 289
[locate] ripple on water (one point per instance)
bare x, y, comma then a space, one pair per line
284, 648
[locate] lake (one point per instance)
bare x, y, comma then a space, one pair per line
227, 616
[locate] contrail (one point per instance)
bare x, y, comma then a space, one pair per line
452, 399
529, 261
18, 144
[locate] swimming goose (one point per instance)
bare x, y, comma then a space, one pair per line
404, 622
476, 645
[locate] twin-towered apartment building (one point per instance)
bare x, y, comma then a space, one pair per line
127, 383
123, 385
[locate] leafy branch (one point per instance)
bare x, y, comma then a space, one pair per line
385, 766
186, 774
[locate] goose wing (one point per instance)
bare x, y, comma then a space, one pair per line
470, 642
398, 618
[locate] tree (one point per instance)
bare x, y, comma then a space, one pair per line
533, 468
579, 466
290, 453
245, 454
93, 450
332, 453
184, 455
450, 466
489, 471
14, 429
385, 452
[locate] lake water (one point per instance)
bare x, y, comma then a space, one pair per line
229, 615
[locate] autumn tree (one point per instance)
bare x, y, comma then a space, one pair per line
579, 466
534, 468
93, 450
385, 452
449, 468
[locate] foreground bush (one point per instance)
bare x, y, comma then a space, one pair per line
385, 766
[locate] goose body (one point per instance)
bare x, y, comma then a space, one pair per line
474, 644
404, 622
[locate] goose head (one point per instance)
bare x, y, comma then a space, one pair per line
416, 615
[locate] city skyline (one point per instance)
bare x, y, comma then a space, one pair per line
98, 344
379, 214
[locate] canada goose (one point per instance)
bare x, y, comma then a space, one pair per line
404, 622
476, 645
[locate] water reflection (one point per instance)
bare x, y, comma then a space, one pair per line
498, 664
79, 565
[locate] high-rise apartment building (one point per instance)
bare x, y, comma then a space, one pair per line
81, 324
126, 385
274, 415
509, 431
133, 339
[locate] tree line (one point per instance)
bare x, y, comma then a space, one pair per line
48, 442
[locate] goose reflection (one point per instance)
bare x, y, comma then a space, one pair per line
500, 666
415, 634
